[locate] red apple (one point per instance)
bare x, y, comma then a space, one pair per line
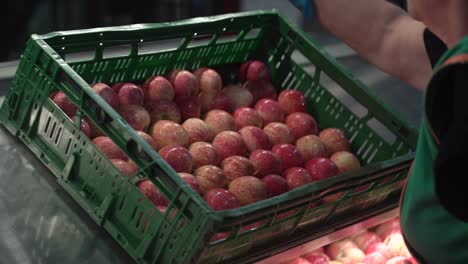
246, 116
413, 260
248, 189
321, 168
297, 177
374, 258
62, 101
364, 239
275, 185
128, 169
265, 162
345, 161
388, 228
317, 258
189, 107
279, 133
136, 116
261, 89
208, 80
299, 261
203, 153
311, 146
350, 256
254, 138
153, 193
210, 101
335, 140
197, 130
109, 148
336, 247
178, 157
399, 260
116, 87
292, 101
237, 166
301, 124
130, 94
378, 247
243, 70
257, 70
289, 155
148, 139
168, 133
171, 75
157, 88
107, 94
184, 83
210, 177
396, 246
85, 128
221, 199
219, 121
238, 96
269, 110
229, 143
190, 180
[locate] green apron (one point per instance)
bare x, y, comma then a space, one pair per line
429, 229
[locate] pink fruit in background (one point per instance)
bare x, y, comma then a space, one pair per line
243, 70
364, 239
219, 121
336, 247
109, 148
62, 101
265, 162
168, 133
246, 116
320, 250
130, 94
388, 228
377, 247
189, 107
157, 88
229, 143
210, 177
321, 168
210, 101
153, 193
136, 116
85, 128
292, 101
257, 70
278, 133
297, 177
396, 246
254, 138
289, 155
221, 199
345, 161
299, 261
190, 180
398, 260
374, 258
317, 258
248, 189
203, 153
128, 169
413, 260
178, 157
184, 83
238, 96
237, 166
164, 110
208, 80
197, 130
350, 256
261, 89
335, 140
311, 146
107, 94
301, 124
269, 110
275, 185
148, 139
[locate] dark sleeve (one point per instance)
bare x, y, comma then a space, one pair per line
435, 48
451, 165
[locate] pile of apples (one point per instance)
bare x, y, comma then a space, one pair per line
234, 144
383, 244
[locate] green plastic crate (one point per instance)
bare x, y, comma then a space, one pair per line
70, 61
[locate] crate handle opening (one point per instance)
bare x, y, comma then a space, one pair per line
80, 56
117, 51
158, 46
